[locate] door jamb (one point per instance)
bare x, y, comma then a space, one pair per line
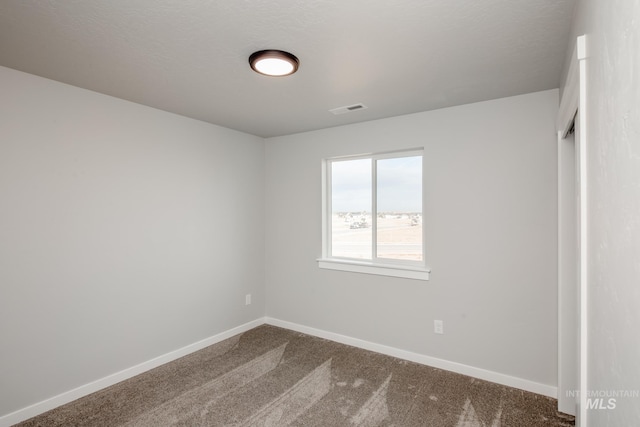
573, 102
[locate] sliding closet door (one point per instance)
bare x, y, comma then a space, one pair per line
568, 273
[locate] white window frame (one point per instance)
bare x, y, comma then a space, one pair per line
417, 270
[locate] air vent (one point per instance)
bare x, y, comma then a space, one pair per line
348, 109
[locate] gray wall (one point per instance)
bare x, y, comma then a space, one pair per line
125, 233
613, 192
491, 225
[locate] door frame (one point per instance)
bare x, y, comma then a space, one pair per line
573, 112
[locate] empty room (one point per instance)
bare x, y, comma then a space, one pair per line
320, 213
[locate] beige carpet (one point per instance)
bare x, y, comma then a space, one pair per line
275, 377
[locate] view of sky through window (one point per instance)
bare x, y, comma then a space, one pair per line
351, 186
399, 185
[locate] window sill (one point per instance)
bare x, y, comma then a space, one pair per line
406, 272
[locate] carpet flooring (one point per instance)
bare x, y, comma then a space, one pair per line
271, 376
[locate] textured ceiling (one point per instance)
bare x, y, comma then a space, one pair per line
190, 56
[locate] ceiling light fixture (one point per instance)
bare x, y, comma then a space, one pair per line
273, 63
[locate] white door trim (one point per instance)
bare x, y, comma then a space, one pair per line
573, 110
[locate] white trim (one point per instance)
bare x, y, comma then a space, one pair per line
460, 368
574, 99
569, 101
326, 209
84, 390
581, 47
395, 270
565, 120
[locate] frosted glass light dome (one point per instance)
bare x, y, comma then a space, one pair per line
273, 63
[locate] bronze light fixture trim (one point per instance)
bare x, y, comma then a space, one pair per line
276, 63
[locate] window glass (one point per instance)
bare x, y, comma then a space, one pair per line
351, 201
374, 214
399, 208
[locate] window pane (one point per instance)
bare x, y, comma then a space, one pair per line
351, 235
399, 207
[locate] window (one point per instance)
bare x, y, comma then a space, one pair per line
373, 210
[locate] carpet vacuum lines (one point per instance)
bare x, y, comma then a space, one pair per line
194, 405
469, 417
375, 410
294, 402
270, 376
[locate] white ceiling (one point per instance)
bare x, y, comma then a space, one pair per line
190, 57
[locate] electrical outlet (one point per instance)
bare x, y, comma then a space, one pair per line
247, 299
438, 326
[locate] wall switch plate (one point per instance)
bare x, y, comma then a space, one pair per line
438, 326
247, 299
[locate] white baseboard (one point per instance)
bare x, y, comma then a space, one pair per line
92, 387
459, 368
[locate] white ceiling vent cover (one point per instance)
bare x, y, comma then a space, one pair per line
348, 109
